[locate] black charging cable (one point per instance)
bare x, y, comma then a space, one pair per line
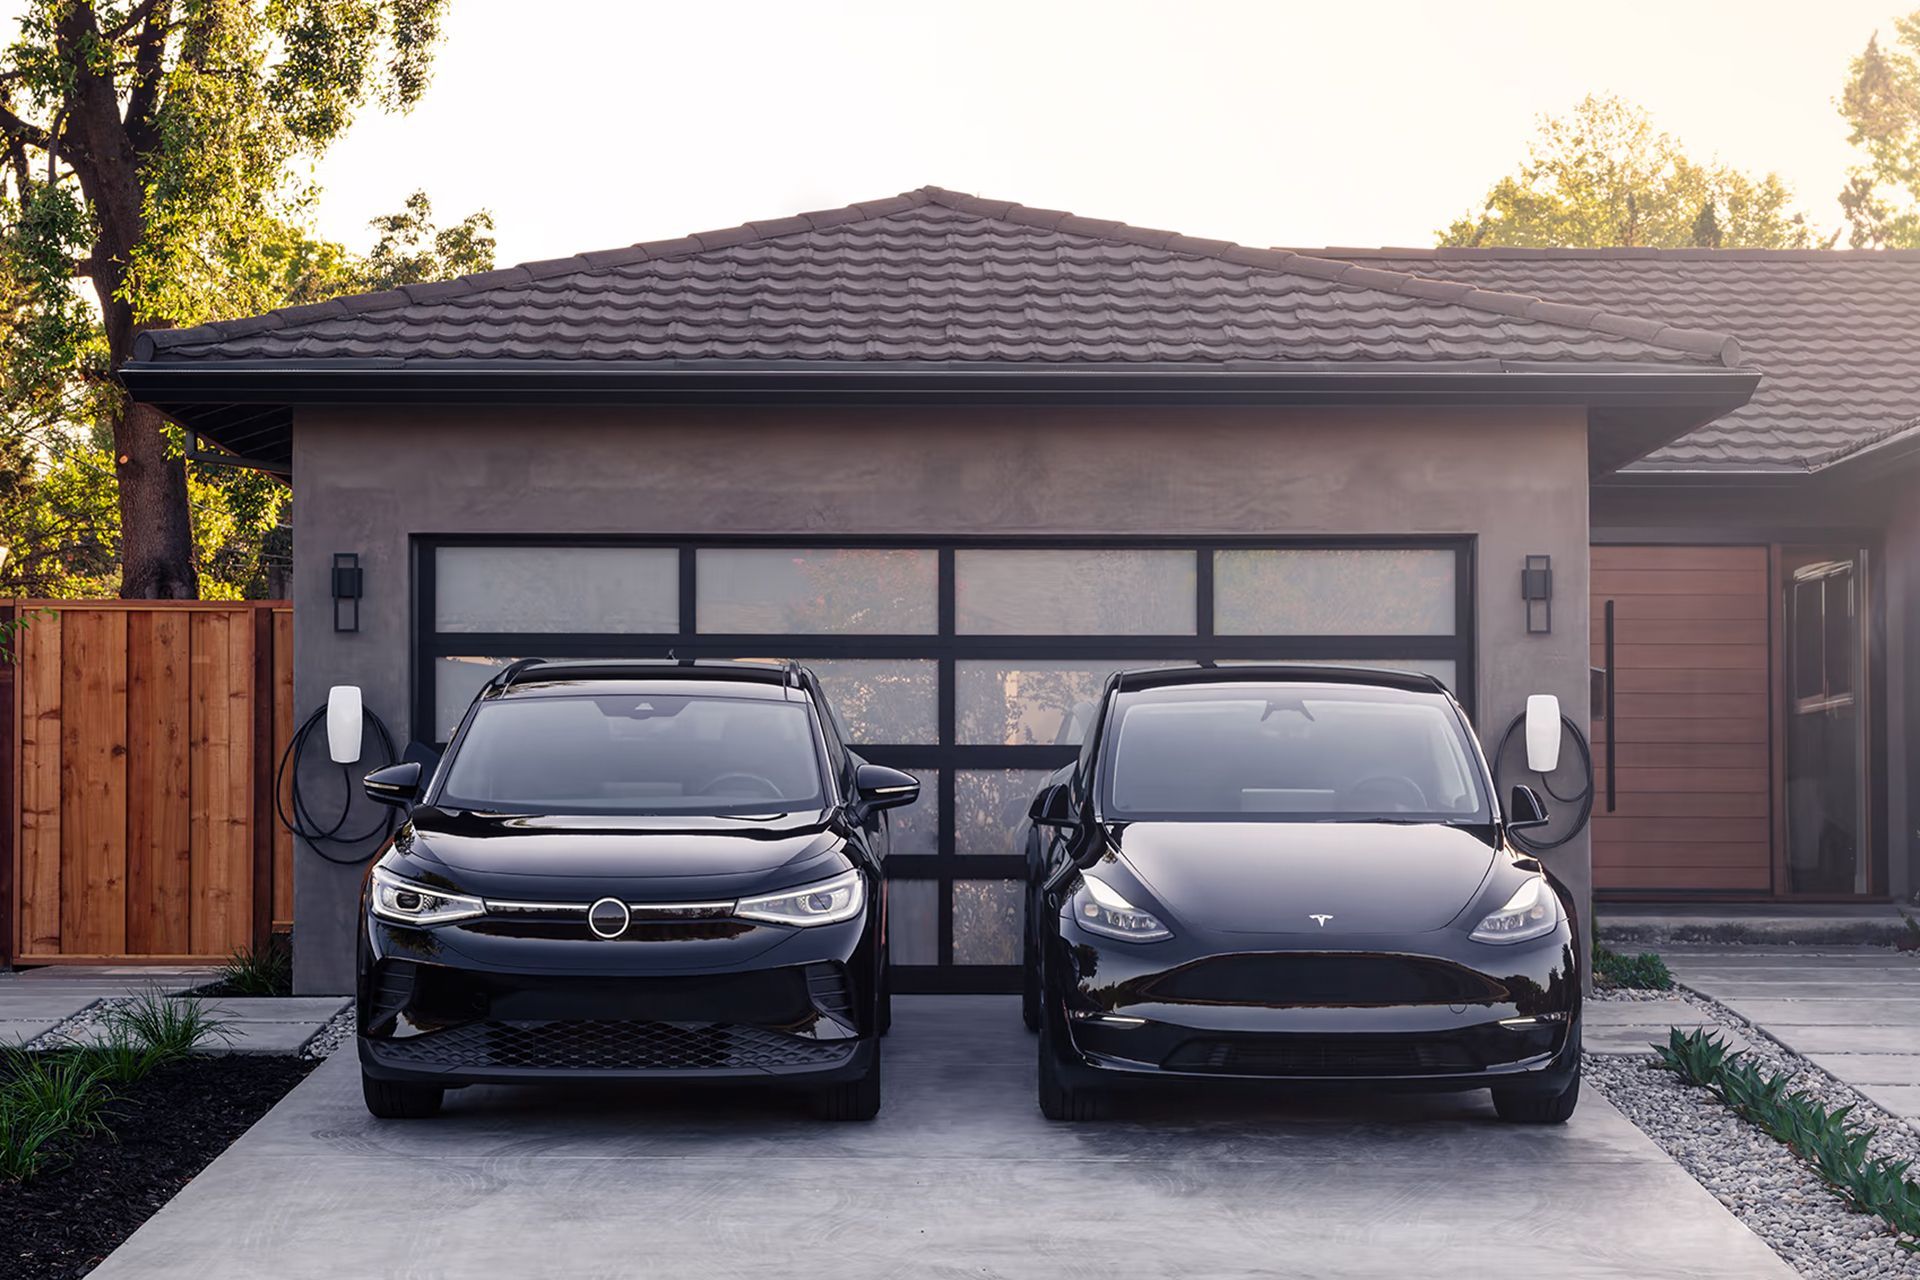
322, 836
1583, 799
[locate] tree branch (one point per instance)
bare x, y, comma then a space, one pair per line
144, 93
135, 16
25, 131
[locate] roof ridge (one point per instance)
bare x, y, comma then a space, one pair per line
1720, 347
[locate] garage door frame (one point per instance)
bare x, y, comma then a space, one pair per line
947, 648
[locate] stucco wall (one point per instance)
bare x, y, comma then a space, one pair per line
370, 478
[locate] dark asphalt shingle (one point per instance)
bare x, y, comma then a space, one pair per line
932, 276
1835, 335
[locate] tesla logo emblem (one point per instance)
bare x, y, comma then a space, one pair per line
1320, 920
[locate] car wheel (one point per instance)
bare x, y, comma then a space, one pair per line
1029, 986
1060, 1099
854, 1099
398, 1100
883, 1013
1516, 1107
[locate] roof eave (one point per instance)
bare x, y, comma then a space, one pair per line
1666, 400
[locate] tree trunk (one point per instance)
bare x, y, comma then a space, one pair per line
156, 539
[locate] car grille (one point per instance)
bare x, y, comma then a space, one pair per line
1323, 980
1325, 1056
609, 1045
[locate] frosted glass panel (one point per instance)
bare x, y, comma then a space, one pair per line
1334, 592
894, 700
913, 921
815, 591
988, 807
549, 589
455, 681
915, 830
1061, 592
987, 919
1028, 702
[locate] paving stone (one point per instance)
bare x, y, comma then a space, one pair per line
1849, 1039
1860, 1069
13, 1034
48, 1007
1860, 1012
309, 1009
1642, 1038
1901, 1099
240, 1037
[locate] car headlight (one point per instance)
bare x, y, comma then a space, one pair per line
1532, 911
1098, 908
406, 902
828, 902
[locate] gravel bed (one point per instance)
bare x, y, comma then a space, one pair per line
58, 1035
1770, 1189
1632, 994
337, 1033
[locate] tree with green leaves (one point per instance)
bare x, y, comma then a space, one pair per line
1603, 175
1881, 104
148, 150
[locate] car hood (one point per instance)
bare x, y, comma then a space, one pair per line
1274, 877
541, 858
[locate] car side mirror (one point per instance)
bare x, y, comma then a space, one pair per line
879, 787
1543, 733
397, 784
1525, 810
1053, 807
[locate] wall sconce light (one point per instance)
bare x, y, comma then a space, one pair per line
1536, 588
346, 591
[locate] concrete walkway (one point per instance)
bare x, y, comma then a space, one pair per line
959, 1177
1853, 1012
35, 1001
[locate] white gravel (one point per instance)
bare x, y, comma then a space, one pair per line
61, 1034
1774, 1192
337, 1033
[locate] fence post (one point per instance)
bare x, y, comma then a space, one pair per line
263, 760
9, 791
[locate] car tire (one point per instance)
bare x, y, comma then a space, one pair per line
1061, 1099
1517, 1106
853, 1099
1029, 986
399, 1100
883, 1008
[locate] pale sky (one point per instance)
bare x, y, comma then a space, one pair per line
585, 124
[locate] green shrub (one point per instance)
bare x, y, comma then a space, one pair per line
1817, 1134
45, 1099
160, 1027
1646, 971
259, 971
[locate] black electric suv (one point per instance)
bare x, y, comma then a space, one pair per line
631, 870
1298, 874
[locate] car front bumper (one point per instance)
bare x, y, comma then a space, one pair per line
461, 1006
1439, 1013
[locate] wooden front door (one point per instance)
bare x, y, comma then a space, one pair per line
1690, 805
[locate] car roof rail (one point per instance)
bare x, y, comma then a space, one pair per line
505, 677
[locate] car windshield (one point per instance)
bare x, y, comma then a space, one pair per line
1300, 753
636, 753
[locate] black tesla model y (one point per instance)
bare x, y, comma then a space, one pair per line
631, 870
1296, 874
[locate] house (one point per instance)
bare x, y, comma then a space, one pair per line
965, 457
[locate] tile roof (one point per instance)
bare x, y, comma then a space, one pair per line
934, 276
1834, 334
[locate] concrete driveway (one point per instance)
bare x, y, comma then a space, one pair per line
959, 1177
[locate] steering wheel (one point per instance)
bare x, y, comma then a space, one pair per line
768, 785
1410, 798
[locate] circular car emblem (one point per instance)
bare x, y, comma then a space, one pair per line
608, 918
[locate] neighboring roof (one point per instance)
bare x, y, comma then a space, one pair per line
929, 280
1834, 334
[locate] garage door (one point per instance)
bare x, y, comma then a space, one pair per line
972, 665
1690, 801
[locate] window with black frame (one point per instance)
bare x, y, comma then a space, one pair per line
974, 665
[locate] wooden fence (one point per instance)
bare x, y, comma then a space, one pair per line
143, 742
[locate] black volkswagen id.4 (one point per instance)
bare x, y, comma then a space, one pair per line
1295, 874
631, 870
